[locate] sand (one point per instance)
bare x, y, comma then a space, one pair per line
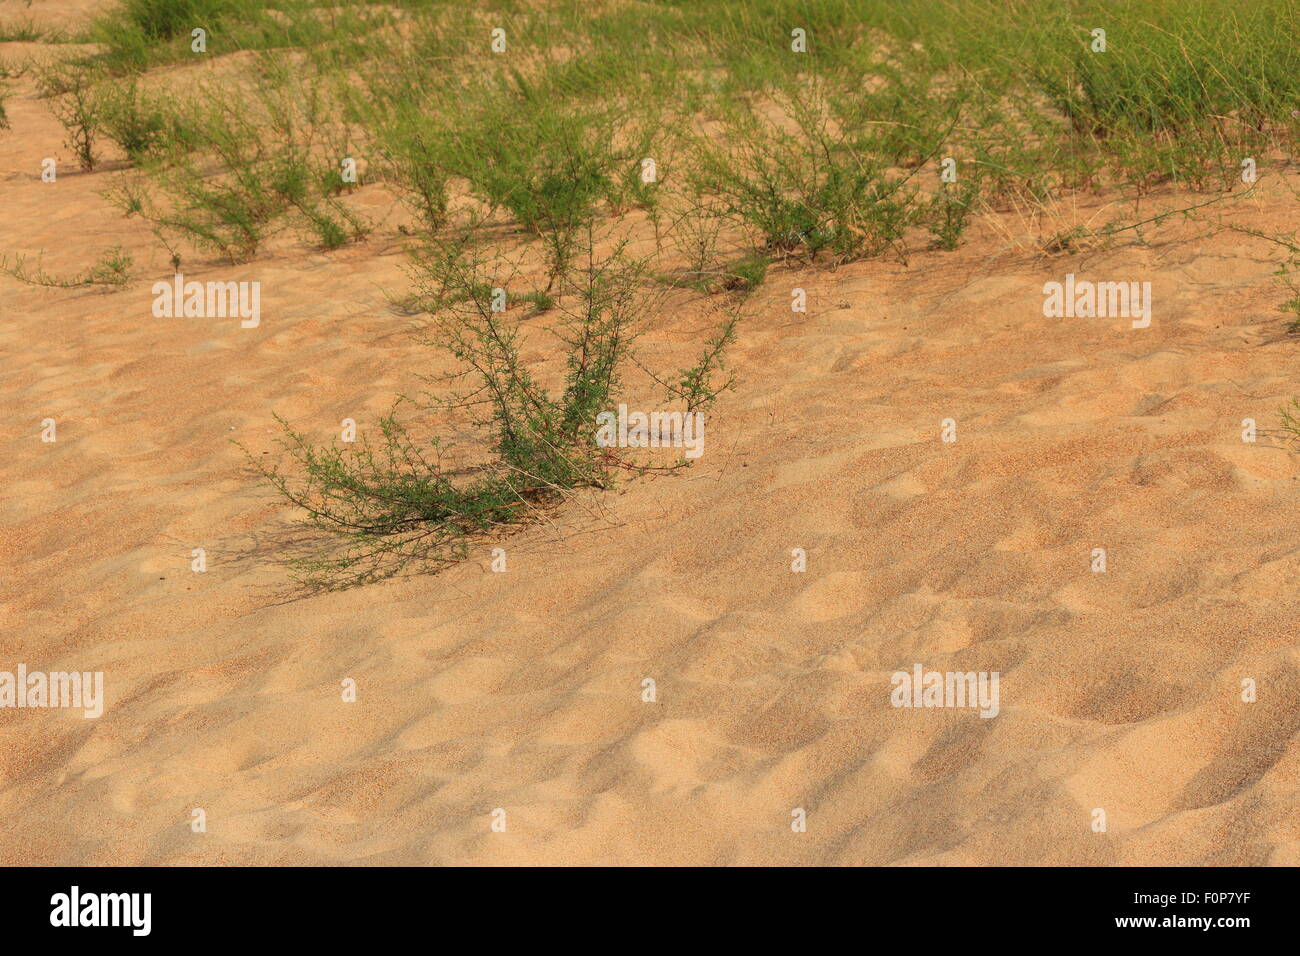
522, 691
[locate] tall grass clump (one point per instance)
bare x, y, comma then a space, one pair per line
137, 34
228, 174
134, 120
806, 185
551, 165
1179, 92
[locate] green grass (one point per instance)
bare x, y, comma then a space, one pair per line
27, 31
823, 193
762, 154
138, 34
827, 155
112, 269
223, 175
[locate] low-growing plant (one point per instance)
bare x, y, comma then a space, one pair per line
130, 118
1288, 275
112, 268
1291, 418
1075, 238
395, 502
694, 234
949, 212
818, 193
332, 223
1288, 271
235, 172
539, 300
746, 275
415, 167
27, 31
75, 105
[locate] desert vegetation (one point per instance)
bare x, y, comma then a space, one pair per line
590, 159
989, 310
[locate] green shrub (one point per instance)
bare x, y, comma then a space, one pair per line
75, 105
229, 174
809, 194
112, 268
394, 504
130, 118
949, 211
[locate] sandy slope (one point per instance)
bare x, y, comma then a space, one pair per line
522, 690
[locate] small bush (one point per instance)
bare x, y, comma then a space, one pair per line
394, 503
75, 105
235, 172
808, 195
548, 163
949, 212
416, 168
113, 268
1288, 275
132, 120
747, 274
542, 171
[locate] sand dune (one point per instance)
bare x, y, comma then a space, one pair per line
523, 690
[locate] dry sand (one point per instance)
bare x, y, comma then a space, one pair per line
522, 691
